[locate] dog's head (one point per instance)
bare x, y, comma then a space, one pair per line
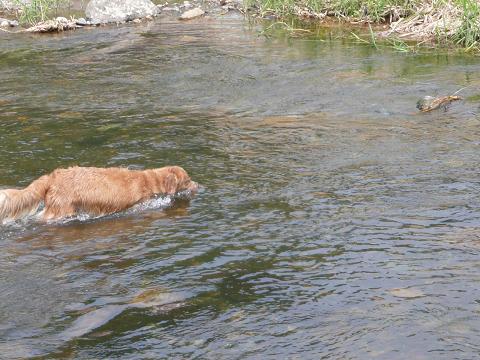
176, 179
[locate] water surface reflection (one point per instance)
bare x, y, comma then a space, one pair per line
323, 191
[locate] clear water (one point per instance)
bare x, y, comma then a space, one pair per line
323, 192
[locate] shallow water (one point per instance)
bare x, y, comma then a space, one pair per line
324, 192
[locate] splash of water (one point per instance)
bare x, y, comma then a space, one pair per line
158, 202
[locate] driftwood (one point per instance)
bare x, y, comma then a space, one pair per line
53, 26
429, 103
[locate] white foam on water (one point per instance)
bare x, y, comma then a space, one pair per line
160, 202
157, 202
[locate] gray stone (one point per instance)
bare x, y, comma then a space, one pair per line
14, 23
191, 14
168, 8
117, 11
4, 23
81, 22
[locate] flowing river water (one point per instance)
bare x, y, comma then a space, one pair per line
334, 220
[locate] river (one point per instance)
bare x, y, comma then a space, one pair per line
334, 221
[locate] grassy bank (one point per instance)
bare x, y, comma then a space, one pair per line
438, 21
35, 11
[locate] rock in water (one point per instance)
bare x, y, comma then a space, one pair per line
96, 318
190, 14
81, 21
424, 102
407, 293
118, 11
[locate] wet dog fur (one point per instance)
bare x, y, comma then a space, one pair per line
91, 190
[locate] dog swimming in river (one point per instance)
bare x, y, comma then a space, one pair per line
94, 191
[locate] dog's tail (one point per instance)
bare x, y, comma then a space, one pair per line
15, 204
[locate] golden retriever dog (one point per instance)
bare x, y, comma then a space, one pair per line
95, 191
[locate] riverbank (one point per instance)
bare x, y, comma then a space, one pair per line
78, 14
336, 221
439, 22
435, 22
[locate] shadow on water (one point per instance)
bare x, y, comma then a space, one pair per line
328, 200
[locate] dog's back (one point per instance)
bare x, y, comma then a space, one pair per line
96, 191
93, 190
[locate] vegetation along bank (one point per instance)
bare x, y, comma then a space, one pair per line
440, 22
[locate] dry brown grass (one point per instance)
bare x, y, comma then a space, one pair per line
430, 21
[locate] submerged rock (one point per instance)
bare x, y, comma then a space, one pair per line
191, 14
406, 293
118, 11
156, 299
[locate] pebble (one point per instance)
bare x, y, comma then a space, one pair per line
191, 14
168, 8
81, 22
8, 23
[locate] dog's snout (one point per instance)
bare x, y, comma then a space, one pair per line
193, 186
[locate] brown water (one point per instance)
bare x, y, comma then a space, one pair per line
324, 192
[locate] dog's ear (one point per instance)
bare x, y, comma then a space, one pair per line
170, 184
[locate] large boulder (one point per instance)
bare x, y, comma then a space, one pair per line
118, 11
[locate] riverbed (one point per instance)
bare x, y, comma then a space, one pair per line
334, 221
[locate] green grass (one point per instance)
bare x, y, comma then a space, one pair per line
468, 34
38, 10
377, 11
